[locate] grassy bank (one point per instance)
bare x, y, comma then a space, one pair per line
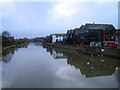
12, 46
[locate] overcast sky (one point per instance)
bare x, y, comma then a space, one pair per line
36, 19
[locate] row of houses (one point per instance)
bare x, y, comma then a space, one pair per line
88, 34
38, 39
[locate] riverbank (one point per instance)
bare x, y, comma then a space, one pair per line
113, 52
12, 46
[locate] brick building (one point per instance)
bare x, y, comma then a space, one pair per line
10, 39
118, 38
104, 33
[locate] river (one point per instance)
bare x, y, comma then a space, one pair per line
38, 66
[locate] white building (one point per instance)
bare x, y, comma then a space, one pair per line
58, 55
57, 37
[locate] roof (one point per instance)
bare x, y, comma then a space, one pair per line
60, 58
77, 29
82, 27
100, 26
70, 31
117, 29
59, 34
10, 37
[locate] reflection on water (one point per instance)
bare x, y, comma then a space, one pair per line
88, 66
8, 53
37, 66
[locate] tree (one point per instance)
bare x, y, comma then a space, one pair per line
6, 34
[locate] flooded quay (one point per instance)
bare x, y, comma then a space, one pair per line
38, 66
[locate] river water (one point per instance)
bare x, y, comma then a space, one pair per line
37, 66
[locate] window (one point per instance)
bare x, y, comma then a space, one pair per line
106, 31
106, 38
111, 38
112, 31
56, 40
